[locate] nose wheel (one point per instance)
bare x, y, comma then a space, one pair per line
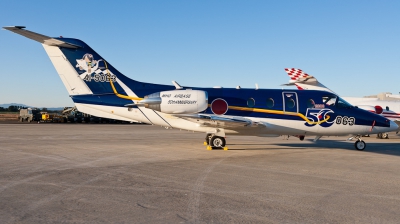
360, 145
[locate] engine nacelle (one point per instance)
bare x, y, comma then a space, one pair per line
177, 101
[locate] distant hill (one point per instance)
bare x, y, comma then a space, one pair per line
6, 105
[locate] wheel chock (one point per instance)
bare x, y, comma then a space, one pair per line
225, 148
209, 147
205, 143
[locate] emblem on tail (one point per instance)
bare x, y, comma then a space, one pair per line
91, 66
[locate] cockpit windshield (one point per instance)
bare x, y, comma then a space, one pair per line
341, 103
329, 101
335, 101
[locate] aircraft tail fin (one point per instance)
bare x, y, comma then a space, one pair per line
82, 70
304, 81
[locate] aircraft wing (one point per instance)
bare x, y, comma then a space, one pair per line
220, 121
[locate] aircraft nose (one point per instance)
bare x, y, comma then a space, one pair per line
393, 126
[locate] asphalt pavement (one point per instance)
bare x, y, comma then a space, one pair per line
95, 173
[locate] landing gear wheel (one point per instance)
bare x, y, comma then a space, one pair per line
359, 145
380, 135
217, 142
385, 135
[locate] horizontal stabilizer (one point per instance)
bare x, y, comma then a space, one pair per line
39, 37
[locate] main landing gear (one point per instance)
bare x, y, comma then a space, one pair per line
215, 142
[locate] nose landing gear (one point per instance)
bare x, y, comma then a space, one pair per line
359, 144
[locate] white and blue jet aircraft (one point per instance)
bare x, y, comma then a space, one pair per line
97, 88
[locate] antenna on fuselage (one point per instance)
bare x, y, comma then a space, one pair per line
256, 86
177, 86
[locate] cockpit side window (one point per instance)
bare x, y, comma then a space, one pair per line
341, 103
334, 101
329, 100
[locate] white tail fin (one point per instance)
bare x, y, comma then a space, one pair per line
303, 80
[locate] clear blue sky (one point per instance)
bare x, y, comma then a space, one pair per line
353, 47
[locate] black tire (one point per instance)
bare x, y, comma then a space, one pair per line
217, 142
360, 145
379, 135
385, 135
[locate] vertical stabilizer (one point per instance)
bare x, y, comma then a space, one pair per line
67, 73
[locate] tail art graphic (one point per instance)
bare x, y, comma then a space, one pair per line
88, 64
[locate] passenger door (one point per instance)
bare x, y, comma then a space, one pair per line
290, 102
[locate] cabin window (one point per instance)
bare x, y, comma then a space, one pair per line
270, 103
290, 103
251, 102
387, 108
310, 103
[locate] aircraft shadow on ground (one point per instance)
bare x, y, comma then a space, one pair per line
387, 148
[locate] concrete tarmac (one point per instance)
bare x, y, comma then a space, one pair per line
93, 173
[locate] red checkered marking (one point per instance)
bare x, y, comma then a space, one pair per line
295, 74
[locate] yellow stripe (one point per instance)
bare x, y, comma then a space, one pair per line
115, 91
279, 112
230, 107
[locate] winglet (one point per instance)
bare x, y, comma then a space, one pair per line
39, 37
